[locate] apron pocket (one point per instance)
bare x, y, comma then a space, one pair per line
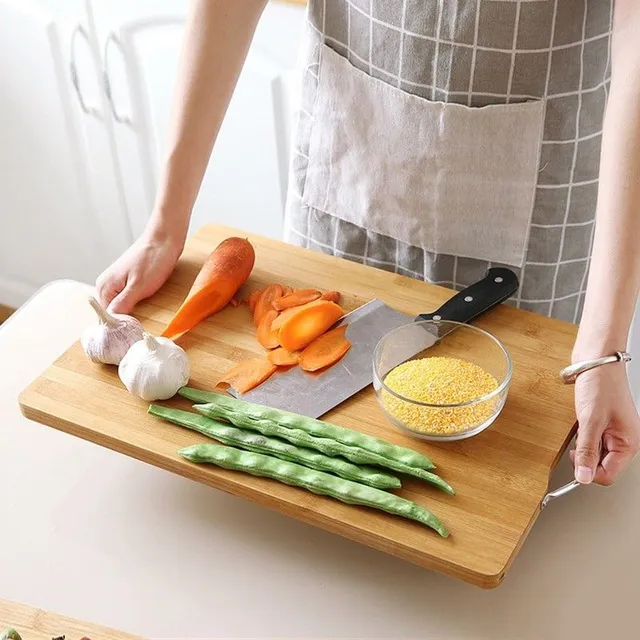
446, 177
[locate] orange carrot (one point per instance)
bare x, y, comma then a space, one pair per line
331, 296
267, 337
253, 298
287, 290
282, 357
247, 375
223, 273
309, 323
296, 298
285, 315
265, 302
325, 350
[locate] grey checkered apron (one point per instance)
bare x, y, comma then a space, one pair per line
476, 53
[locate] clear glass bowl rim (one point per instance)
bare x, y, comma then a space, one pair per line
487, 396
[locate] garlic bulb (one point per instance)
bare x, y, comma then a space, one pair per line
109, 340
154, 368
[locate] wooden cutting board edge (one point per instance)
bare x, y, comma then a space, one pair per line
28, 402
33, 405
38, 624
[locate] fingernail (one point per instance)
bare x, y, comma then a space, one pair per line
584, 475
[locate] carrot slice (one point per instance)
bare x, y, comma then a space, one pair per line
247, 375
224, 272
331, 296
265, 302
267, 337
285, 315
287, 290
282, 357
307, 324
325, 350
253, 298
296, 298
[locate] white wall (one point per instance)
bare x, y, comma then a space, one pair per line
77, 185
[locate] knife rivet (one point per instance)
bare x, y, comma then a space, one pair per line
468, 298
498, 279
437, 317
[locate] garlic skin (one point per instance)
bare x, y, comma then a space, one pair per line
154, 368
109, 340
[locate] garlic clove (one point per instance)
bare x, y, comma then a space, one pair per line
109, 339
154, 368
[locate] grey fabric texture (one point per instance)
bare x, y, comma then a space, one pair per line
453, 179
473, 53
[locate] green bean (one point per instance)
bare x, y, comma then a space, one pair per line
10, 634
314, 427
256, 442
324, 445
318, 482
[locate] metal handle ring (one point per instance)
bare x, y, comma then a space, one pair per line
566, 488
80, 31
559, 492
112, 38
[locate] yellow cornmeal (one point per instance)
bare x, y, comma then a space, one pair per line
439, 380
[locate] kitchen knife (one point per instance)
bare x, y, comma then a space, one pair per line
313, 394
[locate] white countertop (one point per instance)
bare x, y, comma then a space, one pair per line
94, 535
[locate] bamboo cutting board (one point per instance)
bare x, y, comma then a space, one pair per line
500, 475
37, 624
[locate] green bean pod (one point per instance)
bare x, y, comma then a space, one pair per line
314, 427
324, 445
318, 482
256, 442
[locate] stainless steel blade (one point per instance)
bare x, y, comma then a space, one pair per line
314, 394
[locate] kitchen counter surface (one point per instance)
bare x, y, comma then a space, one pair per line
98, 536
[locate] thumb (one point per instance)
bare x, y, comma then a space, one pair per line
125, 300
588, 442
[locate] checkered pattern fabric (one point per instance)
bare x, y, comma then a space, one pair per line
477, 52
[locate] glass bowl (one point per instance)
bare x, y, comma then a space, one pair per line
441, 399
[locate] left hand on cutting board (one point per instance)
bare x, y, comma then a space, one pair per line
608, 425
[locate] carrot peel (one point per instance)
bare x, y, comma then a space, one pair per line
283, 358
253, 298
288, 313
325, 350
331, 296
247, 375
267, 336
309, 323
296, 298
265, 302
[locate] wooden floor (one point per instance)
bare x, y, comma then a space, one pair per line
5, 312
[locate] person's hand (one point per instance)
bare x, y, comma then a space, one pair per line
139, 272
608, 425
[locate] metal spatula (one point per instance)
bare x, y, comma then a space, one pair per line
314, 394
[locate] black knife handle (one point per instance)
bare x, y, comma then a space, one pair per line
498, 285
